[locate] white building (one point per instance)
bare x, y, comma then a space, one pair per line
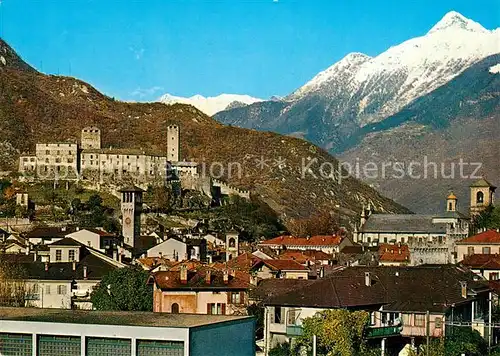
25, 331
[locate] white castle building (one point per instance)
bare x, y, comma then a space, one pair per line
89, 161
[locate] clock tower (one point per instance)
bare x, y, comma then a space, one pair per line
131, 206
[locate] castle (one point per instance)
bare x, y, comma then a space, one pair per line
88, 161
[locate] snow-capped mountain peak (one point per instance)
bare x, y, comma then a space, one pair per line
209, 105
387, 82
454, 20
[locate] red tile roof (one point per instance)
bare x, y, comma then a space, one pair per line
244, 262
394, 253
295, 256
482, 261
486, 237
319, 240
283, 265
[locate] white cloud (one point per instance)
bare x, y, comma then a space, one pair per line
144, 92
138, 52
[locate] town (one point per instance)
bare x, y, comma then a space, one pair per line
415, 278
249, 178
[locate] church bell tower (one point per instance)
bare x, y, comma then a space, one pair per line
131, 207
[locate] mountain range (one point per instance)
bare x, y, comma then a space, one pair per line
35, 107
344, 107
212, 104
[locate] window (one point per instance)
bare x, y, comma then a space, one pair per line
175, 308
277, 315
494, 276
419, 319
402, 240
71, 255
486, 250
61, 289
47, 289
235, 298
89, 244
450, 206
58, 255
438, 323
292, 316
216, 308
479, 197
470, 250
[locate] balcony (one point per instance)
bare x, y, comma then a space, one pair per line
384, 331
294, 330
32, 296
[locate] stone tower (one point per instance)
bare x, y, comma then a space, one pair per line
173, 142
451, 202
482, 195
232, 245
91, 138
131, 206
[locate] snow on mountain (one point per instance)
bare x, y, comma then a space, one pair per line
391, 80
210, 105
495, 69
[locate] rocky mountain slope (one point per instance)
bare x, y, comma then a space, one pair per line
359, 90
457, 122
43, 108
212, 104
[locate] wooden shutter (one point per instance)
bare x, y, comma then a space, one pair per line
223, 309
229, 297
242, 297
209, 308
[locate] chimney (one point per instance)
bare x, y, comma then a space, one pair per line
35, 255
208, 277
321, 272
28, 248
46, 266
74, 265
184, 274
368, 279
84, 272
226, 276
160, 254
463, 286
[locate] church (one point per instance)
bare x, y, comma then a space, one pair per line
431, 238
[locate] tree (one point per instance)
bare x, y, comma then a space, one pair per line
282, 350
13, 286
124, 289
487, 219
338, 332
321, 223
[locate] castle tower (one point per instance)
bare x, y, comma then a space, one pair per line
482, 194
131, 207
232, 245
173, 142
91, 138
451, 202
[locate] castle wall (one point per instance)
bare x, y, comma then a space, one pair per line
57, 161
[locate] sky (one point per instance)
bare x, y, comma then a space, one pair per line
138, 50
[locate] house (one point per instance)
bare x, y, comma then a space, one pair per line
486, 242
485, 265
203, 290
328, 244
393, 255
66, 278
402, 301
46, 235
27, 331
288, 269
98, 239
307, 257
178, 249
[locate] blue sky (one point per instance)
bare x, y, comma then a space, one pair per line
138, 50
